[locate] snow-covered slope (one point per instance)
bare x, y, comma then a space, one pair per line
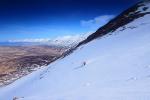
113, 67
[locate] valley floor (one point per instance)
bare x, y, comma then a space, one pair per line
18, 61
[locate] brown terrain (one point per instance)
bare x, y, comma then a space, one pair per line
18, 61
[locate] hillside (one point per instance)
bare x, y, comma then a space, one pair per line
111, 64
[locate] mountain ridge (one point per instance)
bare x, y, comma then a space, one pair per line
122, 19
119, 21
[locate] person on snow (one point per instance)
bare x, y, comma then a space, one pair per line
84, 63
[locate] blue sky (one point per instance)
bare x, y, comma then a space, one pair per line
32, 19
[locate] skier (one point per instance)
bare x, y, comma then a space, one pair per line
84, 63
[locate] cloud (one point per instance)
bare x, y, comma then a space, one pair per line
96, 22
30, 40
66, 40
70, 38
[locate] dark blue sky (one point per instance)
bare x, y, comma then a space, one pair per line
29, 19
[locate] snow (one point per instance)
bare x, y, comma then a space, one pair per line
117, 68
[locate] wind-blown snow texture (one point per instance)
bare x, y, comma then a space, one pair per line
113, 67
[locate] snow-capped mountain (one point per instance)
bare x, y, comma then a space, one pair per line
111, 64
66, 41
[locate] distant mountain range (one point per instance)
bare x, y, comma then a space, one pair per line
67, 41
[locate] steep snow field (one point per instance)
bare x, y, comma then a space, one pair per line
113, 67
